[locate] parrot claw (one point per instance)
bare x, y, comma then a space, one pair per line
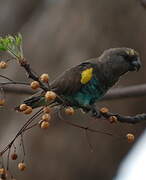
95, 113
93, 110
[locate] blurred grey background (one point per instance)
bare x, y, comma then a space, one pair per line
57, 35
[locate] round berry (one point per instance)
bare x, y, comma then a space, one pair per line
21, 166
2, 102
44, 78
45, 124
35, 85
14, 156
23, 107
69, 111
130, 137
50, 95
2, 171
28, 110
46, 117
104, 110
113, 119
47, 109
3, 65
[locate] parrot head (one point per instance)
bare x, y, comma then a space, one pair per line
121, 60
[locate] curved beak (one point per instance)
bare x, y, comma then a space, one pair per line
136, 64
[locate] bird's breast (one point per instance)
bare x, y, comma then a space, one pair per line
94, 90
89, 93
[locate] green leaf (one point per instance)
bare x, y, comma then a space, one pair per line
13, 45
2, 49
18, 39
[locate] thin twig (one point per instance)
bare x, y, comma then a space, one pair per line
12, 81
88, 140
23, 147
29, 121
30, 127
5, 77
8, 158
18, 90
86, 128
32, 75
126, 119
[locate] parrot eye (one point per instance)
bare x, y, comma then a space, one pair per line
126, 56
129, 55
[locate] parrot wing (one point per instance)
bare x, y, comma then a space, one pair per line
67, 83
70, 81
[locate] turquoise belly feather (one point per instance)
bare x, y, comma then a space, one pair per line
88, 94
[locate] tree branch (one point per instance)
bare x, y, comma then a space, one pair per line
31, 74
123, 119
19, 90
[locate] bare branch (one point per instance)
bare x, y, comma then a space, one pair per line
31, 74
104, 112
24, 127
19, 90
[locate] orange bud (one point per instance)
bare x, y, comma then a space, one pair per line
2, 171
14, 156
21, 166
113, 119
23, 107
104, 110
44, 78
45, 124
2, 102
3, 65
46, 117
69, 111
35, 84
130, 137
47, 109
28, 110
50, 95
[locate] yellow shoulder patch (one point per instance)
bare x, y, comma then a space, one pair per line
86, 75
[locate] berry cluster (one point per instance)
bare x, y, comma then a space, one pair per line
45, 121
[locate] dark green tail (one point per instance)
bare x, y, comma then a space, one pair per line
34, 102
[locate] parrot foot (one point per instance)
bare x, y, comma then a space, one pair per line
93, 110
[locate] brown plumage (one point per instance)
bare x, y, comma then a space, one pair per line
107, 69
